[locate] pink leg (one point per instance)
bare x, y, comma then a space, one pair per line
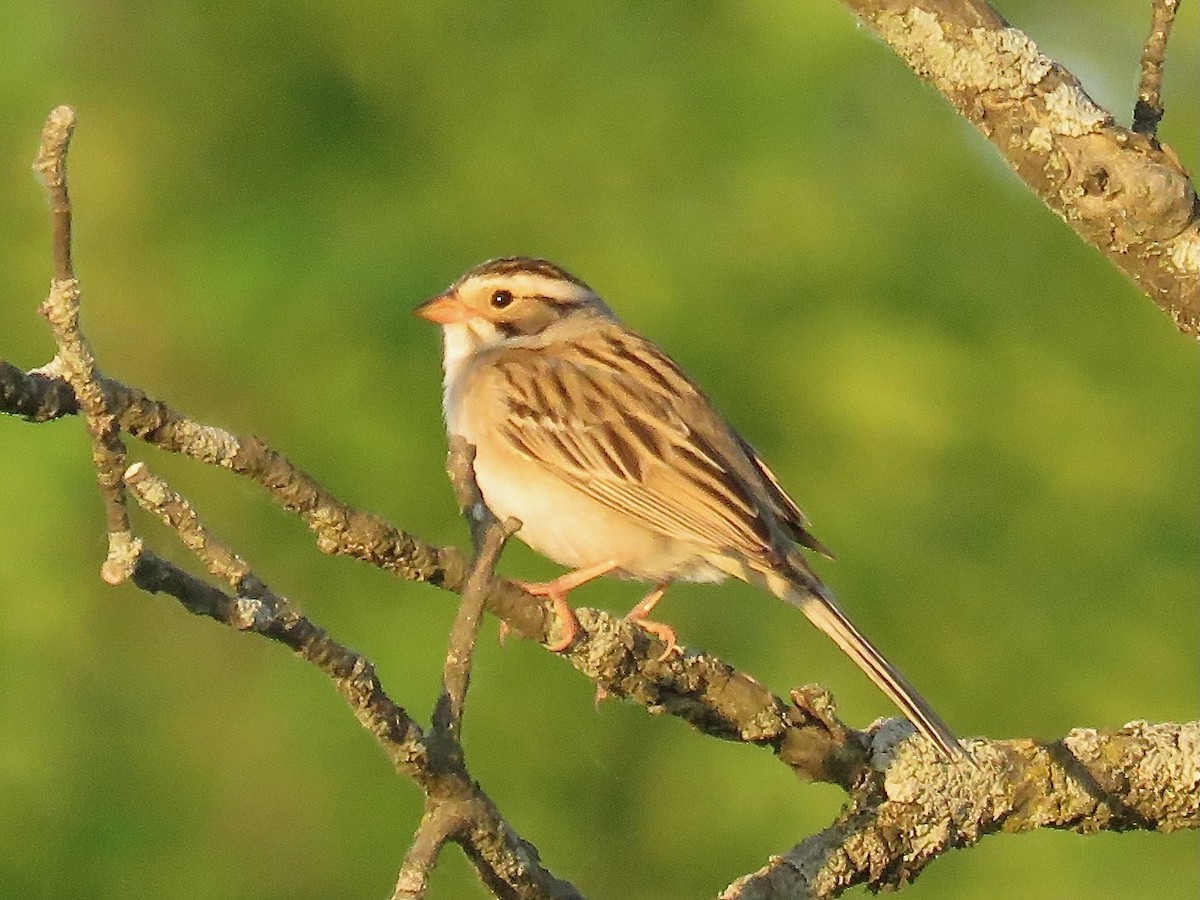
556, 592
661, 630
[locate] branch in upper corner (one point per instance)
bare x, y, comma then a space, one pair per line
1148, 111
1121, 192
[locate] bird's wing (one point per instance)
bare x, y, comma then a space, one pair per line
785, 507
615, 418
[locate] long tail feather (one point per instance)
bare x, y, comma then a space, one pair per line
817, 603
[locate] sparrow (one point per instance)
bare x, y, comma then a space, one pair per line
616, 463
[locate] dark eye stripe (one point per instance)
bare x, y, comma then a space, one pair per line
563, 303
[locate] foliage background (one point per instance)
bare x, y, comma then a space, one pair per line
994, 432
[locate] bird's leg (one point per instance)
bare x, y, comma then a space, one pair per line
660, 630
556, 592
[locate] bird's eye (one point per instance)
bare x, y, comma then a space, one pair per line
501, 299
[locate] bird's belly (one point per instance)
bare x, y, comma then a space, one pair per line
574, 530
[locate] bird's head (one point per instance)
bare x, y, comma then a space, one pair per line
509, 298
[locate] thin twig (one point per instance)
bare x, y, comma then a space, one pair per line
442, 819
457, 670
75, 360
51, 168
489, 537
1148, 111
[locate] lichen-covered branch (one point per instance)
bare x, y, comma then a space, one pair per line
456, 812
1143, 776
254, 607
1122, 192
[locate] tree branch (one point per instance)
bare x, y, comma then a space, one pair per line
254, 607
1122, 192
454, 814
504, 858
74, 360
1148, 111
1141, 777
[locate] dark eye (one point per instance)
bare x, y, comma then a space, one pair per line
501, 299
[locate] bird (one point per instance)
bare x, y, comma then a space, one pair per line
617, 463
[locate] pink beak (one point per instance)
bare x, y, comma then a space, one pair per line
444, 309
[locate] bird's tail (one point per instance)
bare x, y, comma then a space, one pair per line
803, 589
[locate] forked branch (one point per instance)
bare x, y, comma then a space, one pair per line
1122, 192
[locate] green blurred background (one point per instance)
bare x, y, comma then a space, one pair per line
995, 433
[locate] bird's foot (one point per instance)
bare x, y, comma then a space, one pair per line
556, 592
568, 624
639, 615
660, 630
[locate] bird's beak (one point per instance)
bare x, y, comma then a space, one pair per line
444, 309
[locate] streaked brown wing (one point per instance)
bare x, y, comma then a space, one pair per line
785, 507
619, 421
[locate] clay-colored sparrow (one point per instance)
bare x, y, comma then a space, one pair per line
615, 462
